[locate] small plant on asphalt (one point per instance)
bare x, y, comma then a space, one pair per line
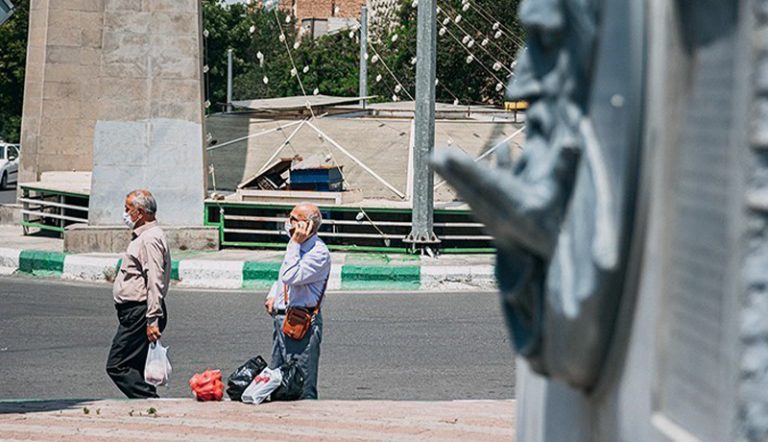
152, 411
86, 410
130, 413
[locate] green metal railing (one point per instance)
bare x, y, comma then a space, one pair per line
51, 210
259, 225
380, 230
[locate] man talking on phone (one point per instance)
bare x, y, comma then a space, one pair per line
298, 294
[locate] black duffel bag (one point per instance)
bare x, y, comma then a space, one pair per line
241, 378
292, 386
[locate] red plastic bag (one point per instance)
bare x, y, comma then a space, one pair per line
207, 386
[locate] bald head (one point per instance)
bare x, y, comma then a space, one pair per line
304, 212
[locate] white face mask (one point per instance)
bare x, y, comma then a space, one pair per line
287, 227
128, 221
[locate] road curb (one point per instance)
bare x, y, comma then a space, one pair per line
255, 275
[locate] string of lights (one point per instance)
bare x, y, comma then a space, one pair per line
399, 83
469, 42
496, 25
282, 38
471, 58
452, 19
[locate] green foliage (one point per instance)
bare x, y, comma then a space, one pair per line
13, 55
226, 27
333, 60
473, 82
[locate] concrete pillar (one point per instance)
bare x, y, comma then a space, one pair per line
149, 123
114, 87
60, 88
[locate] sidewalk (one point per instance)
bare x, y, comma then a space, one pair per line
41, 256
188, 420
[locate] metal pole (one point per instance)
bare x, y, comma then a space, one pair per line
424, 141
229, 80
363, 54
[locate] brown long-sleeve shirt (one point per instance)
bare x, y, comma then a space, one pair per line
145, 272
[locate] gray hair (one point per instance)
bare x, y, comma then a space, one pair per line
316, 218
143, 199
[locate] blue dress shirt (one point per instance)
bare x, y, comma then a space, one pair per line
305, 270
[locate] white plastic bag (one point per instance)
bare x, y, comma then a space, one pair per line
262, 386
157, 369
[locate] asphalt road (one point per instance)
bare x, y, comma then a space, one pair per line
8, 196
54, 338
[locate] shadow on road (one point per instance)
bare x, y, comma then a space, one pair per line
24, 406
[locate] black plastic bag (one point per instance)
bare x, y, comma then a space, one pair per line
292, 386
241, 378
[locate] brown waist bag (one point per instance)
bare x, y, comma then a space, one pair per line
298, 320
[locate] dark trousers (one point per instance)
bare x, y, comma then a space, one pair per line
306, 352
125, 364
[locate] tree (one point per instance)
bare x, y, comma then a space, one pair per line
473, 81
13, 56
332, 60
224, 26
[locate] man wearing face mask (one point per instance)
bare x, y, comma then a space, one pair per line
139, 293
301, 285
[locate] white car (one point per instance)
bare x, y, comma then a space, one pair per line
9, 164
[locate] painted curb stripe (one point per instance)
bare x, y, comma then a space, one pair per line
334, 279
9, 261
89, 268
389, 277
260, 274
210, 274
457, 277
41, 262
250, 274
174, 270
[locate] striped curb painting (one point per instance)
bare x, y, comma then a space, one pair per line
253, 275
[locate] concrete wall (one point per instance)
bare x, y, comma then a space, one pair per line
80, 238
60, 97
149, 128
